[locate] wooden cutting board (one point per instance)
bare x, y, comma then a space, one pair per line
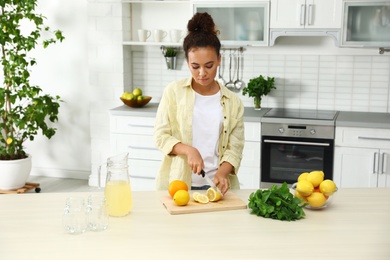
229, 202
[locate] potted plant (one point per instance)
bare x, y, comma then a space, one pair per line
24, 109
170, 54
259, 87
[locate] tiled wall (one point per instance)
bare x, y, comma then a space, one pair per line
334, 82
313, 77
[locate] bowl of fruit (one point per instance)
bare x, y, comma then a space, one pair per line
313, 190
135, 99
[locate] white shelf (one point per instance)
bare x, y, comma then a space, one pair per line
156, 1
137, 43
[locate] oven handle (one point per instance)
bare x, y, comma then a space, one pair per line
293, 142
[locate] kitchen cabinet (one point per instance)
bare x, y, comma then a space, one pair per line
362, 157
134, 134
366, 24
305, 14
242, 23
305, 18
249, 172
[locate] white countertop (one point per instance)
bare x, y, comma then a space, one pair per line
356, 226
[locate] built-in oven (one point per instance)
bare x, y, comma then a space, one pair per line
296, 141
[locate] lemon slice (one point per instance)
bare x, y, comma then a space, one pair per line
195, 196
202, 198
213, 195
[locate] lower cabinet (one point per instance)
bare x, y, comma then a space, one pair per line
249, 172
134, 134
362, 157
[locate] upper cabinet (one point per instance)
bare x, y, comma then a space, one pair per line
366, 24
239, 23
305, 18
306, 14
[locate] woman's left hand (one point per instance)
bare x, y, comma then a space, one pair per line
222, 182
221, 178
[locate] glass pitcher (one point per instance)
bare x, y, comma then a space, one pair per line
117, 190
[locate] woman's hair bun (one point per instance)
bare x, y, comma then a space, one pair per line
202, 22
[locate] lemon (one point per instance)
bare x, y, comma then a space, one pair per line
315, 177
137, 92
213, 195
305, 187
195, 195
202, 198
303, 176
299, 196
181, 197
127, 95
140, 98
328, 187
316, 199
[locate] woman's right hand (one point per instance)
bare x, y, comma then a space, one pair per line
194, 159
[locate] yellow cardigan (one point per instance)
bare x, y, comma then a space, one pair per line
174, 125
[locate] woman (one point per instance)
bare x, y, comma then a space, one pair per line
199, 123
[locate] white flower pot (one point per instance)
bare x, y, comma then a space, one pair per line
14, 173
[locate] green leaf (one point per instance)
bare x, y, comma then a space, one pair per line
276, 203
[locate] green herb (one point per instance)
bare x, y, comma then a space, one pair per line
259, 86
170, 52
276, 203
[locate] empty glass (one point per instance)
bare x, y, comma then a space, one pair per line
75, 216
97, 212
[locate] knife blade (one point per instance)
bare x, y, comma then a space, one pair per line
210, 182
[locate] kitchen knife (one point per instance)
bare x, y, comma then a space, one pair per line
210, 182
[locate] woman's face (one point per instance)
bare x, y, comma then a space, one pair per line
203, 63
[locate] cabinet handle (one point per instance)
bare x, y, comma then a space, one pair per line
147, 126
374, 138
384, 163
376, 164
302, 18
141, 147
310, 16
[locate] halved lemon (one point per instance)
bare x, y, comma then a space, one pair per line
195, 195
213, 195
202, 198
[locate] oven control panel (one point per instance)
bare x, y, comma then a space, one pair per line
297, 130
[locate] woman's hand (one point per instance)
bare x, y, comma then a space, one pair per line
194, 159
221, 178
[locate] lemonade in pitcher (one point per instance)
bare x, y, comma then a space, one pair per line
117, 190
119, 197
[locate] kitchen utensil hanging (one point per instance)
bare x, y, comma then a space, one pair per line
230, 83
239, 83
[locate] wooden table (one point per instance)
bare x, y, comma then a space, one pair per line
356, 226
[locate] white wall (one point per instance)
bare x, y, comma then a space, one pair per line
63, 70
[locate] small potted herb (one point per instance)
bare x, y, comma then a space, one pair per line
259, 87
170, 54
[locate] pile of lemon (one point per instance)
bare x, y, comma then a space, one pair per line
313, 189
178, 190
135, 95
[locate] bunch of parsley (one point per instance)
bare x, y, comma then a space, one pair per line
276, 203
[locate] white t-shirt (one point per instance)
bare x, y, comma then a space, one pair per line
207, 123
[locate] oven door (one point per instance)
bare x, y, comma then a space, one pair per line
283, 159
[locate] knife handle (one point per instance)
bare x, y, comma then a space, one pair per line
203, 173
